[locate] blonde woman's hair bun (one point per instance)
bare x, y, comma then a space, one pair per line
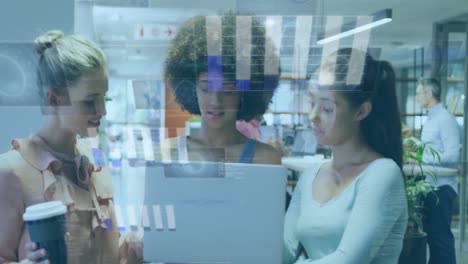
47, 40
63, 59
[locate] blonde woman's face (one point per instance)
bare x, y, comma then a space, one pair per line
82, 109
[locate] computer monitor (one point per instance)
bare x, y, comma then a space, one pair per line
233, 217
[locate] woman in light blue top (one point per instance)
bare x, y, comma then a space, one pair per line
352, 209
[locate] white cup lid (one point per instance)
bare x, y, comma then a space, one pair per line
44, 210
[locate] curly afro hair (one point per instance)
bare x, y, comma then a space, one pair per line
187, 59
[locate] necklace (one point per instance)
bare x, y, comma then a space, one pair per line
79, 162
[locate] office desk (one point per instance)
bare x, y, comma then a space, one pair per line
299, 164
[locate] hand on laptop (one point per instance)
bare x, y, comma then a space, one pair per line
133, 247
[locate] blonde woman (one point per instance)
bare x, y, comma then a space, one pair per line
53, 165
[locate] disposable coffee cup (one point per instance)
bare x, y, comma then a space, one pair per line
47, 227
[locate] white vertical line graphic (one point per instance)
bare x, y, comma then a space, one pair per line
131, 216
329, 55
147, 144
273, 44
301, 46
158, 217
213, 36
243, 47
214, 51
155, 133
119, 216
182, 149
171, 221
357, 60
145, 222
131, 149
165, 145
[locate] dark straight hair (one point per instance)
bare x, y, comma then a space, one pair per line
382, 127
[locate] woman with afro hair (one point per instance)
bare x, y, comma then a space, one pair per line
222, 81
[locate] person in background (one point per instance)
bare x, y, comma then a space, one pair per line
53, 165
442, 132
352, 209
208, 86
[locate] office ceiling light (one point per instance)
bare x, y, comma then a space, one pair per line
379, 18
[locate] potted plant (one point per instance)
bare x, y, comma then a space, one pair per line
414, 245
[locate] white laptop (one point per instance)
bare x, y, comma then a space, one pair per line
214, 213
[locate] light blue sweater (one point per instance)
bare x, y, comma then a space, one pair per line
365, 223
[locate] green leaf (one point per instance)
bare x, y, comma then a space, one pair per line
414, 150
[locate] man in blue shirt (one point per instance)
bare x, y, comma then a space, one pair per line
442, 131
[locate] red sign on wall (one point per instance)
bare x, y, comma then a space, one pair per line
154, 32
